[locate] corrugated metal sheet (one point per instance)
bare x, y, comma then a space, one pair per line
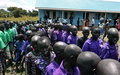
79, 5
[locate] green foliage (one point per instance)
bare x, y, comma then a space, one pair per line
11, 9
17, 12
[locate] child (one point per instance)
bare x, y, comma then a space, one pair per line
43, 46
73, 38
110, 49
66, 34
58, 33
68, 65
108, 67
58, 48
18, 46
2, 46
94, 43
87, 62
85, 33
31, 57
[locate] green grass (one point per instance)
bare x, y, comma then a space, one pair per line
24, 18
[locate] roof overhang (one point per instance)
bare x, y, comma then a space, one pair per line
68, 9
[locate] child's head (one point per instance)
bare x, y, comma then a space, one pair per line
85, 32
68, 28
28, 35
43, 44
60, 27
74, 30
20, 37
87, 62
33, 29
36, 26
108, 67
17, 37
1, 27
95, 33
34, 41
113, 36
40, 33
58, 48
7, 25
11, 24
71, 53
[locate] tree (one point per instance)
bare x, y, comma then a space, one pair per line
11, 9
17, 13
34, 13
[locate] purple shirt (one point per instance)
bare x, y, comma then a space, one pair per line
65, 36
72, 40
93, 46
24, 47
51, 68
58, 36
61, 71
109, 52
64, 27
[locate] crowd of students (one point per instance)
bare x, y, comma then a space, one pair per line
56, 49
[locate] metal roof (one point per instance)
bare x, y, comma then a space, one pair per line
79, 5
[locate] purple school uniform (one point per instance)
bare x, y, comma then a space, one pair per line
61, 71
72, 40
65, 36
109, 52
58, 36
93, 46
24, 47
64, 27
51, 68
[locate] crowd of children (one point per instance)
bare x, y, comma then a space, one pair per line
56, 49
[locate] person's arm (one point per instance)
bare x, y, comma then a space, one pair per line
69, 40
104, 54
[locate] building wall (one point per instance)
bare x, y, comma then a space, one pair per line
76, 14
41, 14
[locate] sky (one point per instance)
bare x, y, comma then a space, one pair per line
26, 4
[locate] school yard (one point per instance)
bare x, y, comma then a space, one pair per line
22, 72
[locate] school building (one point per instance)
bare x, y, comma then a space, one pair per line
78, 8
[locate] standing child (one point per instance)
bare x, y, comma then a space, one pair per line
18, 46
85, 33
66, 33
94, 43
73, 38
59, 51
110, 49
68, 65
